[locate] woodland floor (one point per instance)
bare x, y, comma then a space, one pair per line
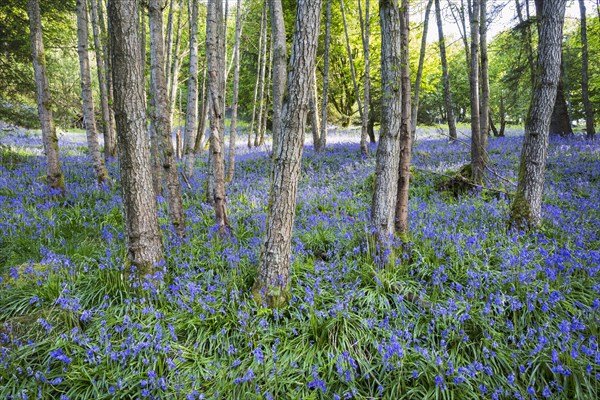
473, 309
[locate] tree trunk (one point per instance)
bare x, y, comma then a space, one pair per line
415, 104
175, 65
107, 127
89, 116
54, 176
560, 123
447, 95
484, 111
169, 41
106, 54
587, 105
236, 88
476, 154
191, 118
314, 113
259, 63
263, 69
272, 282
279, 65
214, 22
526, 208
141, 221
365, 30
160, 116
363, 140
528, 39
143, 34
323, 133
405, 129
263, 129
199, 145
388, 151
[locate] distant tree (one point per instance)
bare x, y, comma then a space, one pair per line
477, 155
272, 281
449, 106
417, 90
161, 118
191, 115
54, 176
365, 26
216, 77
235, 93
89, 114
526, 208
325, 93
388, 151
587, 105
279, 64
262, 51
262, 86
107, 117
314, 114
141, 221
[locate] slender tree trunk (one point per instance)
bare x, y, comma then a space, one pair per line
314, 113
175, 65
106, 54
526, 208
476, 155
365, 29
587, 105
279, 65
236, 88
54, 176
89, 116
263, 69
199, 145
141, 221
415, 104
484, 116
272, 283
502, 117
155, 159
528, 38
405, 129
325, 94
388, 151
263, 129
363, 141
191, 118
106, 125
160, 115
447, 95
169, 41
259, 63
214, 22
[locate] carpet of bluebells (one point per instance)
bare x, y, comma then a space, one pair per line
472, 309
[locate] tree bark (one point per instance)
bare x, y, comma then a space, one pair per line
214, 22
587, 105
477, 165
365, 29
325, 94
415, 104
401, 225
89, 116
175, 65
388, 151
161, 118
447, 95
169, 41
108, 128
199, 145
526, 208
272, 282
279, 64
236, 88
267, 101
141, 221
106, 54
363, 140
560, 123
54, 176
191, 117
